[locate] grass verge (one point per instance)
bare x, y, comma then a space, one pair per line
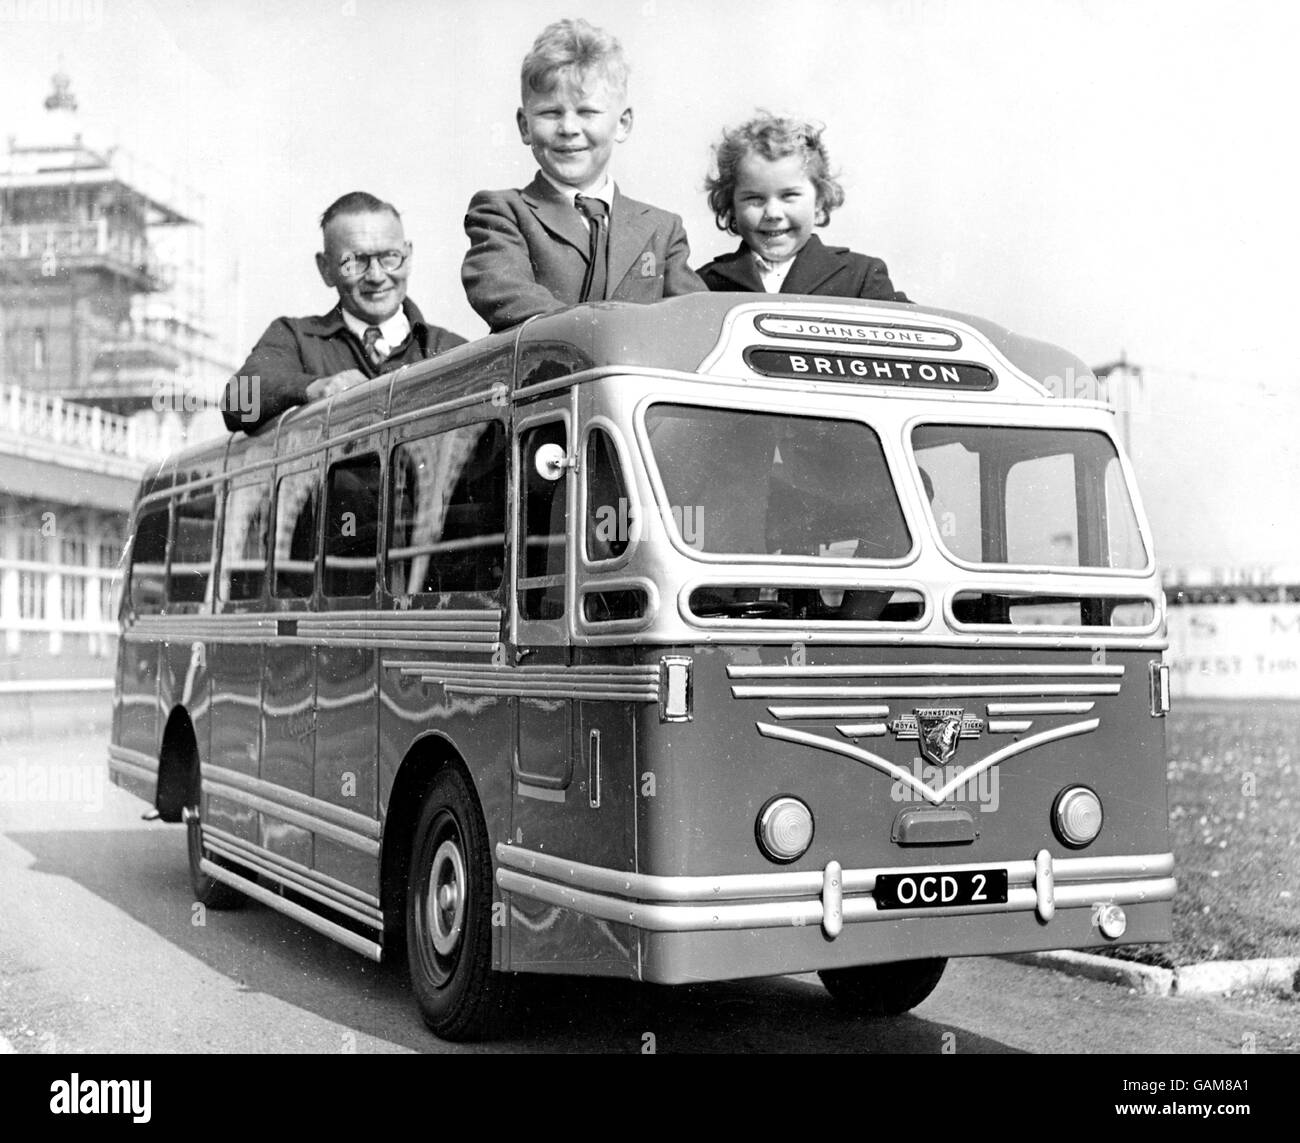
1234, 797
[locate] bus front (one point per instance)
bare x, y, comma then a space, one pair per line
898, 598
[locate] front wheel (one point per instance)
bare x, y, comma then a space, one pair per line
449, 915
884, 989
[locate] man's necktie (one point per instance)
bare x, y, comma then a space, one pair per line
593, 284
369, 341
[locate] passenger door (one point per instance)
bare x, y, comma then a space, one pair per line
543, 745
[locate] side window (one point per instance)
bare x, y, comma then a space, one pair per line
447, 531
243, 547
543, 517
296, 499
352, 526
195, 527
609, 513
149, 560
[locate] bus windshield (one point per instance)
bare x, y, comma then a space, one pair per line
771, 484
1029, 496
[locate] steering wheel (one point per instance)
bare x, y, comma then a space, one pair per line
745, 609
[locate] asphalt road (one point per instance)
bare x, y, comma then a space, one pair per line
99, 953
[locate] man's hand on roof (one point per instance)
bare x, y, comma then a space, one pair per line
335, 383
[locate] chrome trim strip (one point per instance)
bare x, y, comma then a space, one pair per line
804, 738
349, 820
954, 691
128, 760
742, 886
623, 684
927, 670
863, 729
464, 632
326, 828
292, 909
294, 817
782, 914
996, 708
1010, 725
774, 635
130, 770
421, 617
540, 793
362, 900
504, 690
297, 884
268, 639
784, 712
472, 671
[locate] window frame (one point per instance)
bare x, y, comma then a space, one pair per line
130, 602
338, 458
312, 467
893, 466
231, 487
1084, 497
487, 599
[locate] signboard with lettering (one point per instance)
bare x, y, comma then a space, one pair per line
869, 333
857, 368
1235, 650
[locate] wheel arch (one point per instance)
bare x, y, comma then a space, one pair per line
178, 764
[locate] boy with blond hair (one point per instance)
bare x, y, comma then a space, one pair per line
571, 236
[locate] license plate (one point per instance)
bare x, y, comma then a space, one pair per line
935, 889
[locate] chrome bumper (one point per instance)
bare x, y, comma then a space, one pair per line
830, 898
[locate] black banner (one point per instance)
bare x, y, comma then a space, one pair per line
861, 369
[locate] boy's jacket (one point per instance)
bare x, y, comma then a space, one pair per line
529, 249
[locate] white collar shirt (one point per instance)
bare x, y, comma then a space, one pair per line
392, 332
771, 274
604, 192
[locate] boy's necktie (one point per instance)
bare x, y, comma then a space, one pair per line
372, 336
593, 284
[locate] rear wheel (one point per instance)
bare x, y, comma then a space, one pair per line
884, 989
207, 890
449, 915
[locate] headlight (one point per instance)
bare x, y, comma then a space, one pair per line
1077, 816
785, 829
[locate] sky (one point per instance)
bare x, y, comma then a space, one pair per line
1111, 176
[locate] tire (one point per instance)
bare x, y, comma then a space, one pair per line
449, 915
208, 891
884, 989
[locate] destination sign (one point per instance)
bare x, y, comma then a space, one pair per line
872, 333
861, 369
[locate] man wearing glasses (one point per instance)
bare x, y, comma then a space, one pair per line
373, 329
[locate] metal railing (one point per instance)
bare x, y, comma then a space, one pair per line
35, 415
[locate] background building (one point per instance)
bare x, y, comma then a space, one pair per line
105, 365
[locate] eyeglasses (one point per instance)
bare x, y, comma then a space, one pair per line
355, 265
